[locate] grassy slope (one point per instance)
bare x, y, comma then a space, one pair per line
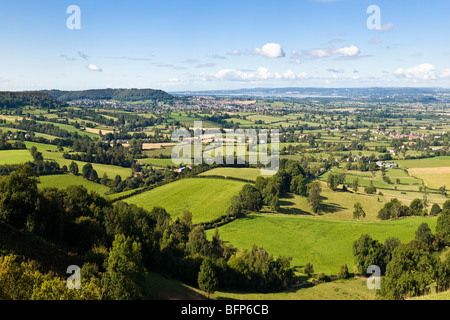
243, 173
326, 243
65, 180
207, 199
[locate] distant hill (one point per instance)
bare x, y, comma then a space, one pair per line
380, 94
111, 94
12, 100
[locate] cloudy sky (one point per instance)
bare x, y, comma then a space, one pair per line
201, 45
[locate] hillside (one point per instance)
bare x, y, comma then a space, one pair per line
111, 94
12, 100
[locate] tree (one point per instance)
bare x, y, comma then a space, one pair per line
309, 269
424, 234
443, 226
18, 196
435, 209
37, 156
126, 276
235, 207
343, 272
207, 278
358, 211
367, 252
298, 185
93, 176
104, 180
73, 168
314, 197
250, 198
355, 185
446, 205
87, 168
416, 207
197, 242
410, 272
370, 189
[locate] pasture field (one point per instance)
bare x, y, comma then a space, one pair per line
337, 205
62, 181
70, 128
243, 173
351, 289
15, 156
326, 243
434, 177
157, 162
443, 161
207, 199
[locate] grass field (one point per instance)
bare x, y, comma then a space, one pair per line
15, 156
64, 180
243, 173
326, 243
443, 161
352, 289
207, 199
336, 205
433, 177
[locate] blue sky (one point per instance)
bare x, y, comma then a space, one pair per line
201, 45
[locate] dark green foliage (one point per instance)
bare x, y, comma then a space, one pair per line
435, 209
126, 276
111, 94
343, 272
443, 226
309, 269
367, 252
358, 211
424, 234
314, 197
410, 272
73, 168
299, 185
18, 196
334, 180
207, 278
393, 209
250, 198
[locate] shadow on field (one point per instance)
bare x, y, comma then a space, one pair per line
331, 208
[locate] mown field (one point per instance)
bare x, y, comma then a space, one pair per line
242, 173
326, 243
62, 181
207, 199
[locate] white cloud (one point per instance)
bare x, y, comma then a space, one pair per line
350, 51
93, 67
318, 53
445, 74
261, 73
270, 50
424, 71
235, 52
343, 52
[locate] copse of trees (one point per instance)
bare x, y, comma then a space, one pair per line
409, 269
120, 241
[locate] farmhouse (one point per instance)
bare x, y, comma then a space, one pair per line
387, 164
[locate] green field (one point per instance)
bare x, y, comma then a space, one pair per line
352, 289
242, 173
64, 180
207, 199
15, 156
326, 243
443, 161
